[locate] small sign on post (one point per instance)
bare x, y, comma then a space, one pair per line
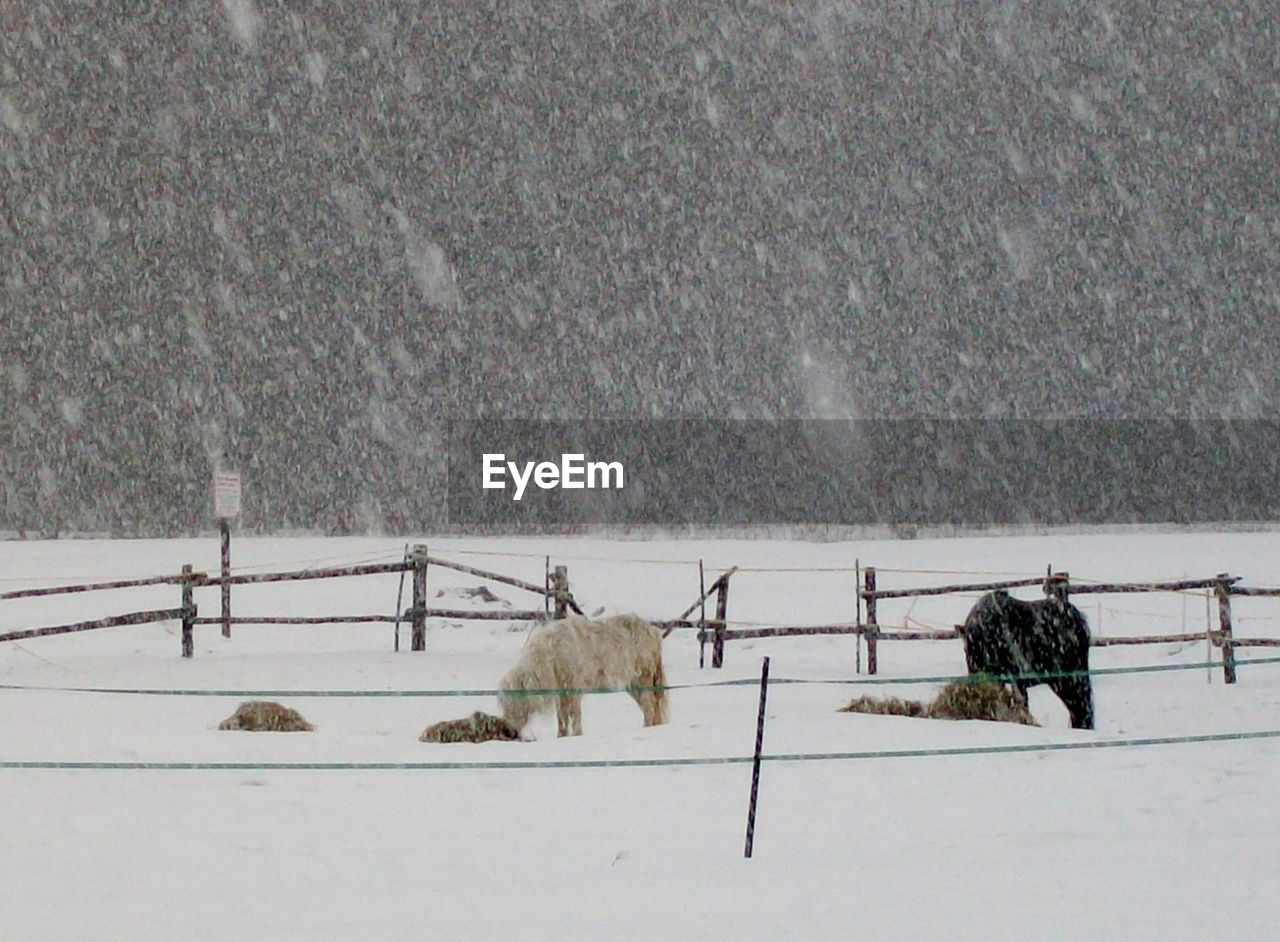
226, 495
226, 507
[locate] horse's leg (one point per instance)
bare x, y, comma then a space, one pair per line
1020, 687
575, 715
652, 710
562, 715
569, 715
638, 696
1076, 693
647, 702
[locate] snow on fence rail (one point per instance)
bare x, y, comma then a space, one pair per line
554, 592
1223, 586
715, 630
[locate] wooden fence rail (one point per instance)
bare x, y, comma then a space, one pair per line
113, 621
189, 580
478, 615
96, 586
1057, 584
297, 620
1116, 588
1255, 591
871, 594
333, 572
718, 629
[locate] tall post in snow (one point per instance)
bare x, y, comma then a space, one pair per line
188, 613
418, 641
560, 586
224, 528
872, 629
755, 764
1223, 590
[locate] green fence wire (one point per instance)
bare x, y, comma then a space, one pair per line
582, 691
1087, 745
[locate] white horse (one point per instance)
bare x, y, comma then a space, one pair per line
563, 659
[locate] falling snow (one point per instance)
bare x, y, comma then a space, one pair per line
299, 242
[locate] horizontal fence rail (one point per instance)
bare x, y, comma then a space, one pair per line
1256, 591
1119, 588
1083, 588
189, 580
717, 630
295, 619
949, 589
476, 614
99, 586
331, 572
113, 621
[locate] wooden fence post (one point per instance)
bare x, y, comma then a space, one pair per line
702, 616
1057, 585
546, 584
872, 628
224, 525
857, 615
722, 610
560, 585
188, 613
1223, 591
419, 639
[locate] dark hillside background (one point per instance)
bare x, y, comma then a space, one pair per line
296, 238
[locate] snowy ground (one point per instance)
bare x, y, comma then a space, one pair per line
1162, 842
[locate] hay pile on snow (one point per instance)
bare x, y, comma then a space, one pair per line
266, 716
979, 700
959, 700
478, 727
887, 706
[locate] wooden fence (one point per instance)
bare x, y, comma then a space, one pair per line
1223, 586
558, 600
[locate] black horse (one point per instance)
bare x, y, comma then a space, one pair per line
1007, 636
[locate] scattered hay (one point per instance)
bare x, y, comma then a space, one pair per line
959, 700
478, 727
266, 716
888, 706
979, 700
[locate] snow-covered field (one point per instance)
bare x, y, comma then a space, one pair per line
1157, 842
